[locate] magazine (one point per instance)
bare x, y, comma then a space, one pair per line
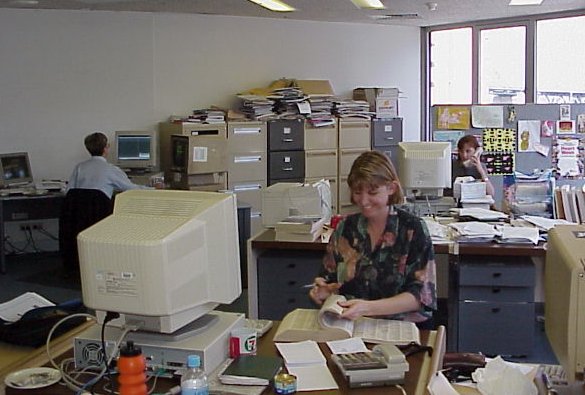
326, 324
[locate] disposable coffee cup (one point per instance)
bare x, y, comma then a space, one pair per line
243, 342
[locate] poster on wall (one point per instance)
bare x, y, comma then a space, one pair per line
547, 129
453, 117
566, 127
487, 116
497, 163
528, 135
500, 139
567, 157
450, 136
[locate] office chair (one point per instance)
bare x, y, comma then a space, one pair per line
81, 209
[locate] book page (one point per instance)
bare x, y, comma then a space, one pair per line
330, 315
386, 331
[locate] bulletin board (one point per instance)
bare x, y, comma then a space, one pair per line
448, 122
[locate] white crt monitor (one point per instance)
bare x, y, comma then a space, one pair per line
163, 258
564, 298
15, 169
424, 168
136, 150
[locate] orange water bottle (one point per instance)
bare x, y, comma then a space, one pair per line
131, 366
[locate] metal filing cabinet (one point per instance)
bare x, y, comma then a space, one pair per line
280, 281
492, 305
354, 139
386, 134
247, 165
286, 159
321, 160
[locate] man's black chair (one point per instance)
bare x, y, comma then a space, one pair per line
81, 209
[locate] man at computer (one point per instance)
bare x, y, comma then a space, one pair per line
89, 198
97, 173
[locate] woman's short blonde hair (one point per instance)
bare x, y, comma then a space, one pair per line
373, 169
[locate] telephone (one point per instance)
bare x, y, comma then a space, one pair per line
384, 365
456, 364
478, 152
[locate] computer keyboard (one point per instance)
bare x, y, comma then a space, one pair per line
261, 326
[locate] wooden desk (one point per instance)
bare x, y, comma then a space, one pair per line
264, 241
25, 208
421, 365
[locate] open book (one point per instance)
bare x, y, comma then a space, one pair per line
326, 325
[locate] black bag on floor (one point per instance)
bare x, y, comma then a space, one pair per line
33, 328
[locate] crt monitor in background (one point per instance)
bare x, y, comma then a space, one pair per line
163, 258
15, 169
564, 297
424, 168
136, 150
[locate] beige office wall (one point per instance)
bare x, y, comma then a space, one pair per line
64, 74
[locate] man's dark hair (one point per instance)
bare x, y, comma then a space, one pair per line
96, 143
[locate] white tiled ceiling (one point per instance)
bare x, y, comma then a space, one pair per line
400, 12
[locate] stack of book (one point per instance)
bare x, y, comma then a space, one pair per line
300, 228
570, 203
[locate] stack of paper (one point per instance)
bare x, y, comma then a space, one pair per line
308, 364
299, 228
473, 231
518, 234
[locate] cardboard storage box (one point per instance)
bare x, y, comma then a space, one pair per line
384, 101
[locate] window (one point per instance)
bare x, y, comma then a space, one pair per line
450, 66
559, 61
502, 65
535, 59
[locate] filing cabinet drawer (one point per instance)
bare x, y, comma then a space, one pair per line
217, 130
509, 272
198, 155
246, 136
249, 192
391, 152
275, 307
496, 328
279, 272
320, 138
496, 293
286, 165
286, 134
386, 132
354, 134
346, 159
321, 163
243, 166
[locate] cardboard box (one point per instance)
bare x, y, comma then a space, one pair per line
383, 101
464, 189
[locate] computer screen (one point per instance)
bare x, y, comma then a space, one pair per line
564, 297
424, 168
137, 149
15, 169
163, 258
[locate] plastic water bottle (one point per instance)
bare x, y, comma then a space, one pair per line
194, 380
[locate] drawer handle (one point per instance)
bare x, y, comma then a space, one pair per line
287, 169
495, 310
496, 275
388, 138
287, 140
496, 290
291, 265
292, 282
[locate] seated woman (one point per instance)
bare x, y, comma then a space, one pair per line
381, 259
468, 162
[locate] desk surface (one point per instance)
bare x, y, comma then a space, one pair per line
266, 240
416, 377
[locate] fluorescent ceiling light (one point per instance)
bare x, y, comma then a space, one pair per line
274, 5
525, 2
372, 4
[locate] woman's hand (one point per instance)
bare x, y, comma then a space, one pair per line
354, 308
322, 290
